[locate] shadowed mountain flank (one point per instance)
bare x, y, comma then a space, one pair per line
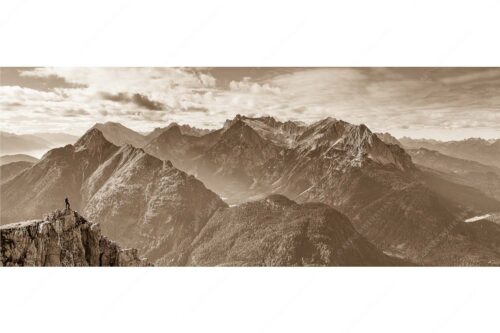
276, 231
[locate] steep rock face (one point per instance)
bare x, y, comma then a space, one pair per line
234, 161
185, 129
228, 160
283, 134
279, 232
331, 157
63, 238
147, 203
176, 147
389, 139
356, 144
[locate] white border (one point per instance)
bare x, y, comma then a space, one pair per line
250, 299
256, 33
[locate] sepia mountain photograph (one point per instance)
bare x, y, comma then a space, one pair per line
249, 166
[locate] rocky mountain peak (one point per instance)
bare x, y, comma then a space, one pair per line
119, 135
92, 140
229, 122
173, 131
239, 127
389, 139
183, 129
327, 131
270, 121
280, 133
356, 142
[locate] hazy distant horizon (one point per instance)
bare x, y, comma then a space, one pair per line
432, 103
422, 135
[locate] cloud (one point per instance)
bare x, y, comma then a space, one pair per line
197, 109
12, 76
399, 100
128, 79
253, 87
75, 113
474, 77
299, 110
145, 102
119, 97
206, 80
140, 100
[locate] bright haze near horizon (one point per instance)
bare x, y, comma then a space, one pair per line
434, 103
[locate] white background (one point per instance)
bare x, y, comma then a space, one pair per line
251, 33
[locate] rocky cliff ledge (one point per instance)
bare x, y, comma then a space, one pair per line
63, 238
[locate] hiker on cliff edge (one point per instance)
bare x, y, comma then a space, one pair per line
66, 201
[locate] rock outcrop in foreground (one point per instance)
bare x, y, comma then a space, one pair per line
63, 238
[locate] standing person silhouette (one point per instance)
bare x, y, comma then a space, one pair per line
66, 201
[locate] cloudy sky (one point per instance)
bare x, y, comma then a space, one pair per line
440, 103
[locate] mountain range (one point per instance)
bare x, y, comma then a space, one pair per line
6, 159
143, 202
10, 170
259, 191
11, 143
120, 135
473, 149
485, 178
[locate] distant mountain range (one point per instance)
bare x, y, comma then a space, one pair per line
185, 129
120, 135
474, 149
6, 159
470, 173
446, 172
39, 143
10, 170
376, 203
27, 143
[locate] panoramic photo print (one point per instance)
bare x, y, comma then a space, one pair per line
249, 166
